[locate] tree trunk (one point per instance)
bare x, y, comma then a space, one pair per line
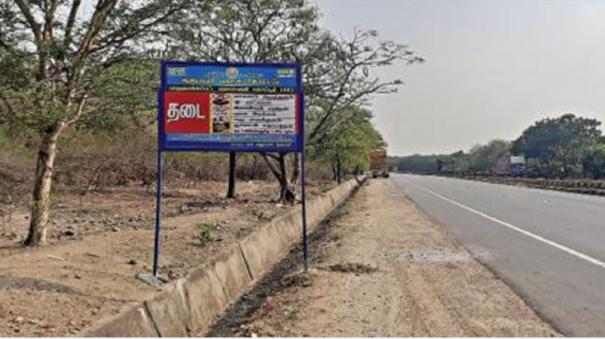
296, 165
231, 185
42, 187
338, 170
334, 173
287, 193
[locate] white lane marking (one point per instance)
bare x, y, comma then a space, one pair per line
516, 228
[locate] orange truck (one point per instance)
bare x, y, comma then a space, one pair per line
379, 165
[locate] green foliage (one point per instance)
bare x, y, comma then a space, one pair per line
205, 233
593, 163
559, 144
346, 148
125, 96
244, 31
483, 158
61, 64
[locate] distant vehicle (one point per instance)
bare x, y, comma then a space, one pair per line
517, 166
513, 166
446, 165
503, 166
378, 163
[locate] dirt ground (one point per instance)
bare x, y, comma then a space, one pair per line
99, 242
382, 268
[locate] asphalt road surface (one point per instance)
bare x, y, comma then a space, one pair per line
549, 246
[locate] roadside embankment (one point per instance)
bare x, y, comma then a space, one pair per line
191, 304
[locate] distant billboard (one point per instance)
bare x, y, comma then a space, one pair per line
230, 107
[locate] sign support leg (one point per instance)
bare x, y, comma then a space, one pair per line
158, 216
304, 210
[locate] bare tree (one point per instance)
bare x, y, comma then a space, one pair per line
338, 75
343, 76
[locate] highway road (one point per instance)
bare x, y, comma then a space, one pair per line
548, 246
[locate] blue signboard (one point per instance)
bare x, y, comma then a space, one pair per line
230, 107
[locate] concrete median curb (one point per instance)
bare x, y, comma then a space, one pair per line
206, 297
170, 312
273, 238
232, 272
189, 306
133, 321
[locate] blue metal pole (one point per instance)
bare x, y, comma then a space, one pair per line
304, 209
158, 215
303, 175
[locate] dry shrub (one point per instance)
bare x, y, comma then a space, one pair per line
16, 173
196, 166
319, 172
88, 161
251, 167
204, 166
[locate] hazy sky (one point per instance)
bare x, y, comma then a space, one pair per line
492, 67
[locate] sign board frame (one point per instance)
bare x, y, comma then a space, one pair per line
289, 83
172, 84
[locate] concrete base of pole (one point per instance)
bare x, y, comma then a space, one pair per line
153, 280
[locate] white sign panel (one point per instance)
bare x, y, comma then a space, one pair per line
264, 113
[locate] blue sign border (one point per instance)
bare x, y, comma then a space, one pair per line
188, 146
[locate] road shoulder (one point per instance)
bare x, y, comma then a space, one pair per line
383, 268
